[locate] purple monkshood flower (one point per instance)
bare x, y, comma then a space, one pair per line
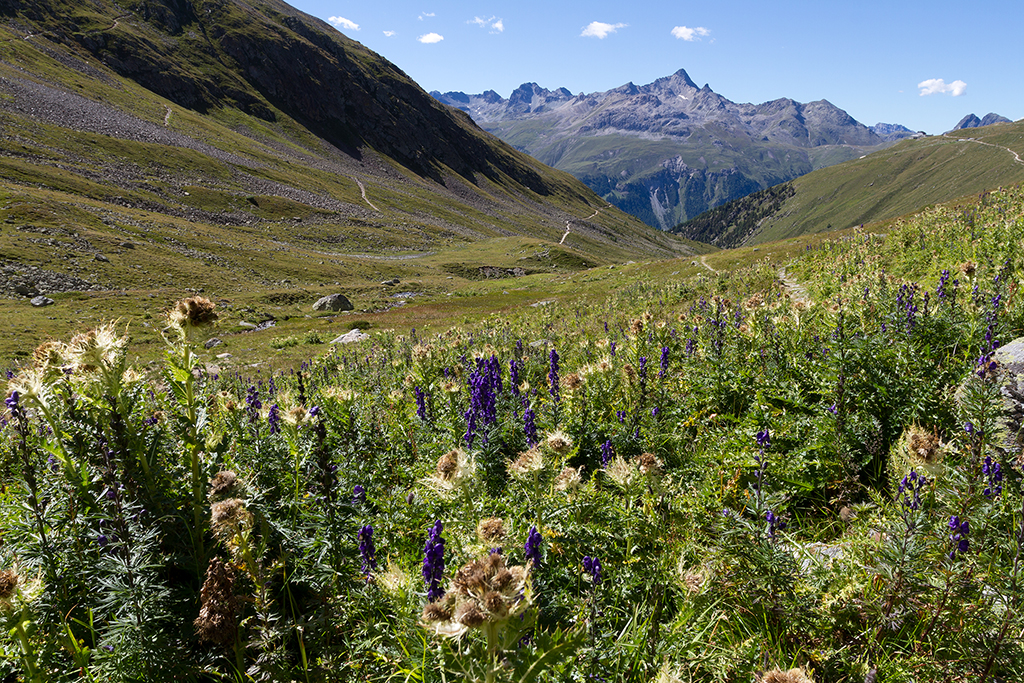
484, 388
532, 546
775, 523
274, 419
358, 495
530, 427
606, 453
314, 411
764, 439
592, 566
433, 562
12, 402
611, 349
664, 362
367, 551
421, 404
958, 539
993, 473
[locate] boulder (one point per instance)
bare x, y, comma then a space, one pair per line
1011, 384
39, 301
333, 302
352, 336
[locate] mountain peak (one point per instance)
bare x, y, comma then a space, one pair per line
972, 121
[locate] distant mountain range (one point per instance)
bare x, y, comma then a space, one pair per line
670, 150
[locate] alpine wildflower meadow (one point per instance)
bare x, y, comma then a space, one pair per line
700, 479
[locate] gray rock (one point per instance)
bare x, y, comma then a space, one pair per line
127, 245
25, 289
101, 257
40, 301
333, 302
1011, 381
352, 336
211, 342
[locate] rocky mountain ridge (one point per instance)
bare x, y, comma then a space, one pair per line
669, 150
972, 121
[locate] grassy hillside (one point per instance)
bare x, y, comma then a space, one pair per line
897, 181
114, 199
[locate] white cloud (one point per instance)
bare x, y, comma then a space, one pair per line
496, 25
935, 86
599, 29
342, 22
389, 33
431, 38
425, 14
690, 34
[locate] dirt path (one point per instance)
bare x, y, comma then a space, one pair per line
568, 224
167, 116
1016, 157
704, 262
362, 191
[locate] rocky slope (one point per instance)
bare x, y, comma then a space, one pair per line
670, 150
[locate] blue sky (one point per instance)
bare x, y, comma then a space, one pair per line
921, 64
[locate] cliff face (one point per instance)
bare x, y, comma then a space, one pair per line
263, 56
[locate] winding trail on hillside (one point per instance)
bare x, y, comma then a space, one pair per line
568, 224
1016, 156
362, 191
167, 116
704, 262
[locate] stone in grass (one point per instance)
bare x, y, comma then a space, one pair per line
333, 302
352, 336
39, 301
212, 341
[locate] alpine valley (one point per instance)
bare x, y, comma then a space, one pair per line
670, 150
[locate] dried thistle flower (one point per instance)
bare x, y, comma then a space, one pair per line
192, 314
650, 465
222, 484
572, 381
229, 518
96, 349
447, 465
8, 584
484, 591
454, 470
568, 479
558, 442
795, 675
469, 614
490, 530
218, 617
527, 464
620, 471
434, 611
